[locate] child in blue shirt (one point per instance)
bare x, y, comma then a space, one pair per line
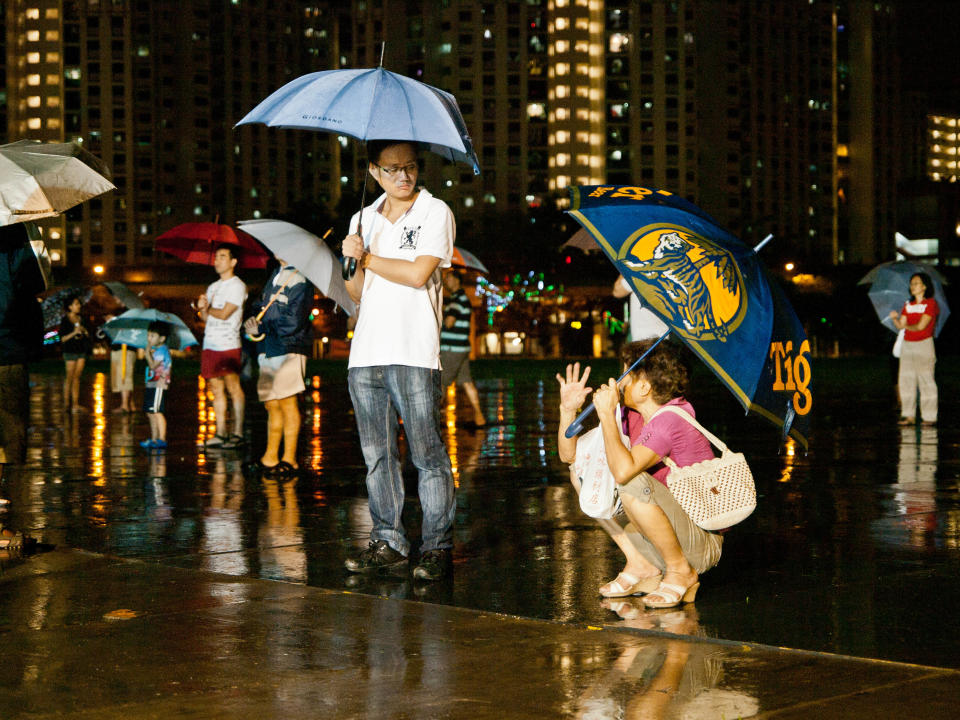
157, 380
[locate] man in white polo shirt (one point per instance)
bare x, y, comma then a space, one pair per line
394, 366
221, 308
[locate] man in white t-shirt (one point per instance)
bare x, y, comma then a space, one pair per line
221, 308
644, 324
394, 366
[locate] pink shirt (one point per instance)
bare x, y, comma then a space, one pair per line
668, 434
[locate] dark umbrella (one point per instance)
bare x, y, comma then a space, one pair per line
54, 306
124, 295
197, 243
711, 290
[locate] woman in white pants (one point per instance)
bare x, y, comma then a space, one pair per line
918, 320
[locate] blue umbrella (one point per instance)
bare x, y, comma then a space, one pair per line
370, 104
890, 289
130, 329
712, 291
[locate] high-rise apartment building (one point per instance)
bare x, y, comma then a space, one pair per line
154, 89
774, 117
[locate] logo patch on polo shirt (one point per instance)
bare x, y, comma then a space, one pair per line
409, 238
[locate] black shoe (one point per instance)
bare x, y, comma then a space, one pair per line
378, 555
433, 565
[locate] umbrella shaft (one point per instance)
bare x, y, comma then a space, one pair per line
577, 425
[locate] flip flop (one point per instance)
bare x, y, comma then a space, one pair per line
626, 584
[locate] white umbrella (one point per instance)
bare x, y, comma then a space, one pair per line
39, 180
307, 253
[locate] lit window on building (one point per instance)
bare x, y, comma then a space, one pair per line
468, 201
562, 23
563, 136
53, 101
33, 101
563, 91
490, 198
33, 36
563, 113
563, 159
53, 124
51, 13
562, 46
52, 36
536, 111
53, 57
562, 68
33, 13
53, 80
446, 48
143, 51
72, 73
619, 42
33, 58
33, 123
33, 79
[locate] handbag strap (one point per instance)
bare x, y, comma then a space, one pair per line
717, 442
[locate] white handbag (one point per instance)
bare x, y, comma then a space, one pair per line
715, 493
599, 496
898, 344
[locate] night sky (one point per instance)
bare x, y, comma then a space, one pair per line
929, 37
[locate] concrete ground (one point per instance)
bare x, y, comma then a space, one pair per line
177, 584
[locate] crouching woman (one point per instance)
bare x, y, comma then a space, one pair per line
665, 550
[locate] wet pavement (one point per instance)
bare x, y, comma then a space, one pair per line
835, 599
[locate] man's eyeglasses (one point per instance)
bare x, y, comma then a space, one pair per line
409, 169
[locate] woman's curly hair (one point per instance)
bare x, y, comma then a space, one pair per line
665, 368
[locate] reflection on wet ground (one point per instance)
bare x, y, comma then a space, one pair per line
849, 543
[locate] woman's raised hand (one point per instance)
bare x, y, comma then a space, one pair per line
573, 388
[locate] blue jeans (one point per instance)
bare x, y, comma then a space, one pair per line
379, 393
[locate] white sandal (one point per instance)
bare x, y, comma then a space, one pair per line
672, 595
626, 584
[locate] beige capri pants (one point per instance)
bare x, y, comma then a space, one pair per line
700, 547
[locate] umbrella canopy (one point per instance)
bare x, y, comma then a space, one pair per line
467, 260
581, 240
890, 289
307, 253
197, 243
711, 290
39, 180
124, 295
370, 104
54, 306
130, 328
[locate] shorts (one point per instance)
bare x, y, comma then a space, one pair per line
154, 399
14, 412
70, 357
455, 368
281, 376
121, 379
700, 547
217, 363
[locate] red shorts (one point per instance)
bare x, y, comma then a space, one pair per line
217, 363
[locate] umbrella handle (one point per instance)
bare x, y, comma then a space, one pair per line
259, 317
348, 267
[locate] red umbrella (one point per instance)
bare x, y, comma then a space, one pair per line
466, 259
197, 242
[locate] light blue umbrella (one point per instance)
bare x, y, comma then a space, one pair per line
890, 289
370, 104
130, 329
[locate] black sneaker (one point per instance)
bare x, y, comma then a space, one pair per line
433, 565
377, 556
